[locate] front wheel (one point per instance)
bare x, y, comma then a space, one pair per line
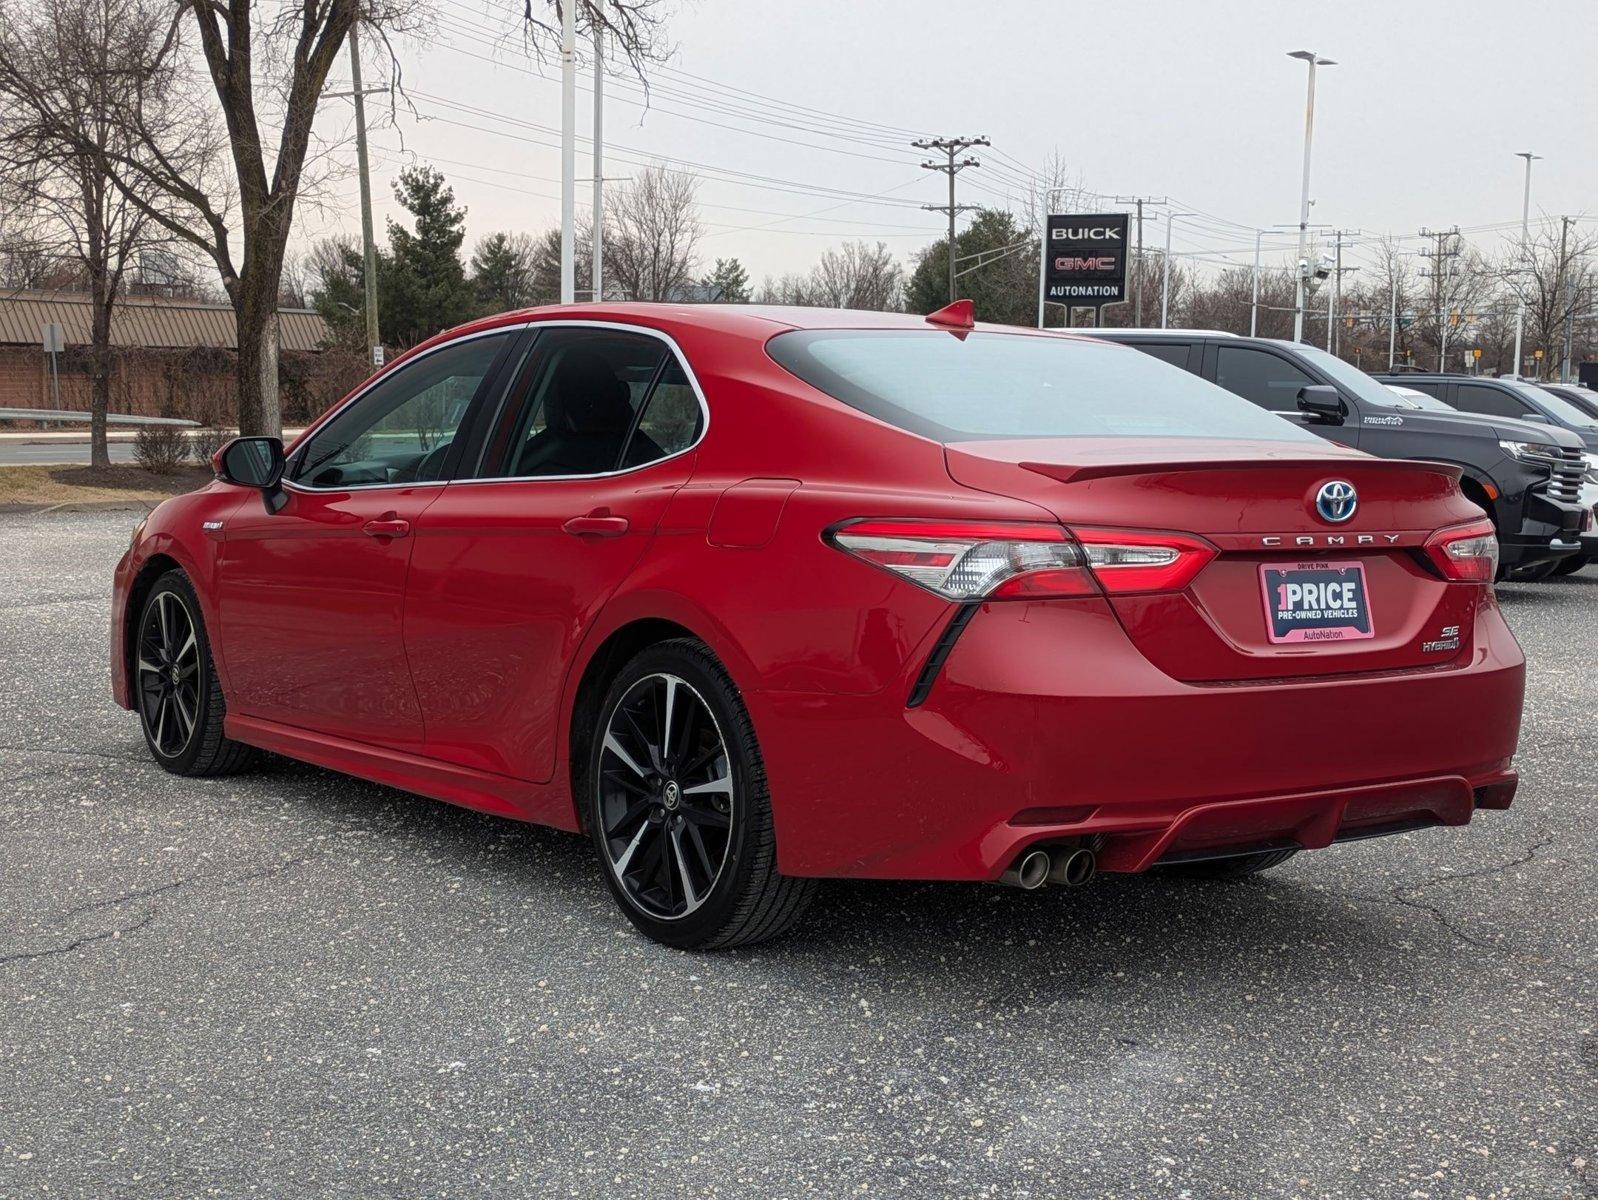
175, 687
679, 809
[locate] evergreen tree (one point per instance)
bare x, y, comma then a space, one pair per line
729, 282
1004, 289
503, 267
427, 290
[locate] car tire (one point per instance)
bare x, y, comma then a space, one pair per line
1569, 566
674, 755
175, 688
1239, 867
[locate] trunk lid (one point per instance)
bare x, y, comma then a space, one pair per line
1255, 502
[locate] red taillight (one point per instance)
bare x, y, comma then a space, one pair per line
1468, 553
999, 561
1125, 561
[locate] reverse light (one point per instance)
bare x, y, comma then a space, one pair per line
999, 560
972, 560
1466, 553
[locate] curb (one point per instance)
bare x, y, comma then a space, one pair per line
78, 506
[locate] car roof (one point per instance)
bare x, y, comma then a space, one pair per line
1165, 333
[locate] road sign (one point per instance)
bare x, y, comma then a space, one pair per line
1476, 353
53, 338
377, 356
1084, 259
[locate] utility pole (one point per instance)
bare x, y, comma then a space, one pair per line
1441, 282
951, 148
358, 93
1525, 252
597, 235
1137, 295
568, 152
1571, 291
1336, 296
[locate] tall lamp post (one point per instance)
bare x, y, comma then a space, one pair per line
1309, 57
1165, 272
1525, 253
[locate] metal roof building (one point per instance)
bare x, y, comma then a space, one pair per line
144, 322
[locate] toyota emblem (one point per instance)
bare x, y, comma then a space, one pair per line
1336, 501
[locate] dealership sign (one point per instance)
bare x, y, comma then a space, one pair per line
1084, 260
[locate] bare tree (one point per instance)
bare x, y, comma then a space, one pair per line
268, 62
67, 72
858, 276
1547, 276
652, 234
788, 289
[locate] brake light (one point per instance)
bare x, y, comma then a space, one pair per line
1126, 561
964, 560
1467, 553
998, 560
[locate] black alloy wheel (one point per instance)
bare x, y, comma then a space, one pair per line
665, 797
168, 676
677, 804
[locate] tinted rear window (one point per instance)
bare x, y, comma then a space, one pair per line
1013, 385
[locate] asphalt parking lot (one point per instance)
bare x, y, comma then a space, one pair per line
296, 984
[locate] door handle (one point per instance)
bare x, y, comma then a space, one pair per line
596, 525
386, 527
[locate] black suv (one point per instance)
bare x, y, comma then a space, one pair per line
1526, 476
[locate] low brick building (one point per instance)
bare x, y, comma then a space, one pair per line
173, 357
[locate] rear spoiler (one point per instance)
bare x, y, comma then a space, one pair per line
1080, 474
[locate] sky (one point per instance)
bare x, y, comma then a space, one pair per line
799, 117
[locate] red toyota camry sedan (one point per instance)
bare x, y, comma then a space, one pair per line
758, 596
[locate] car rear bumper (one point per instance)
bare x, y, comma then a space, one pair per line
1550, 531
1047, 726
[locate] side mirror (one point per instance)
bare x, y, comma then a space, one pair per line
1321, 400
254, 462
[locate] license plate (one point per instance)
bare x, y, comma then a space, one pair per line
1316, 602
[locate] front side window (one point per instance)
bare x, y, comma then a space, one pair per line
400, 431
1491, 401
962, 387
595, 401
1260, 376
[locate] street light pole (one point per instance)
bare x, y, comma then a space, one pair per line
1303, 204
1254, 300
368, 249
1165, 277
568, 153
1525, 233
597, 235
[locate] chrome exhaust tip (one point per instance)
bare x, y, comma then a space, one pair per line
1073, 868
1029, 871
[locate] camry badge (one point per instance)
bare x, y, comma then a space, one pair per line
1336, 501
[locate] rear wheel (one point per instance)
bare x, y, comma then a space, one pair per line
175, 687
1569, 566
679, 809
1240, 867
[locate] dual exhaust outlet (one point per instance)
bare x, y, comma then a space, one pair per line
1033, 868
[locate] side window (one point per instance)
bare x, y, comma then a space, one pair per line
575, 405
1164, 351
671, 420
402, 429
1267, 379
1495, 402
1430, 387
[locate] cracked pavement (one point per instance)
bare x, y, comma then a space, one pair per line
290, 983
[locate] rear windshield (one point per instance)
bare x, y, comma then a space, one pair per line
956, 388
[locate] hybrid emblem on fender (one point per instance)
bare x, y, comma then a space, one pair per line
1336, 502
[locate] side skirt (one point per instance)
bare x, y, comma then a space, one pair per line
479, 790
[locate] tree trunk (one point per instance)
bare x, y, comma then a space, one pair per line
101, 301
260, 412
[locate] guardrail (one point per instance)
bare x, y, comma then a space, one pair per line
64, 417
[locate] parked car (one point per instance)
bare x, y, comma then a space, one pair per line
760, 595
1525, 477
1582, 397
1545, 404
